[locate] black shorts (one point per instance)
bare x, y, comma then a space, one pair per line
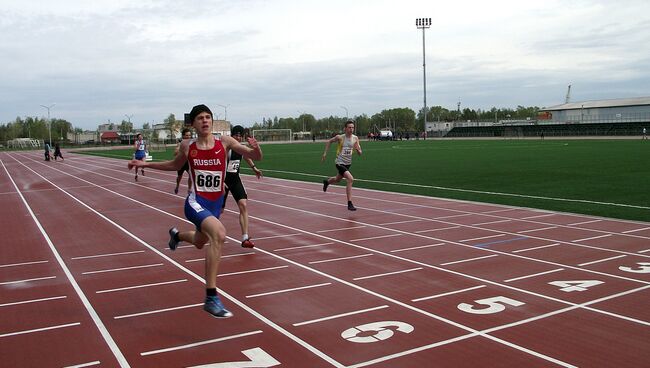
185, 167
342, 169
236, 187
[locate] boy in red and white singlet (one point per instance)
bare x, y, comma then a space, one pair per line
206, 156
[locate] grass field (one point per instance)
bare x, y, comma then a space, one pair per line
608, 178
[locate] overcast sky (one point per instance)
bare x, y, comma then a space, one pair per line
100, 60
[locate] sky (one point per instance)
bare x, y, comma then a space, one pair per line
103, 61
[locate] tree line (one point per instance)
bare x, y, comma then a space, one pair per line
401, 119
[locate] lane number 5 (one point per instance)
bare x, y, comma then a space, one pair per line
493, 305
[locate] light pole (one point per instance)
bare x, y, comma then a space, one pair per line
129, 117
424, 23
49, 122
302, 113
225, 111
346, 112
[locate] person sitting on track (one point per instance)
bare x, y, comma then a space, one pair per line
207, 160
235, 186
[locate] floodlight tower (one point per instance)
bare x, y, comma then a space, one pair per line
424, 23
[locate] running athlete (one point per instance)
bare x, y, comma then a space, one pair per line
347, 143
140, 152
236, 187
187, 134
207, 160
57, 152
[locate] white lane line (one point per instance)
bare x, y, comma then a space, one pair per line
339, 315
342, 229
180, 347
108, 254
33, 301
540, 229
377, 237
386, 274
238, 255
418, 247
121, 360
438, 229
535, 248
584, 222
593, 237
251, 271
341, 259
491, 222
539, 216
448, 293
399, 222
469, 259
483, 237
277, 236
139, 286
454, 216
82, 365
40, 329
601, 260
27, 280
533, 275
157, 311
303, 246
288, 290
122, 269
635, 230
22, 264
644, 251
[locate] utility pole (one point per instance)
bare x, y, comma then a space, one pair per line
225, 111
49, 122
129, 117
424, 23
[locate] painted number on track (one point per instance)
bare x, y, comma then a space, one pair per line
376, 331
258, 359
575, 285
493, 305
644, 268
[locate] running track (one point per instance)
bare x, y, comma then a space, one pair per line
406, 281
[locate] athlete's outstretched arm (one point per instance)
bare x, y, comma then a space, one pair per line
254, 152
327, 146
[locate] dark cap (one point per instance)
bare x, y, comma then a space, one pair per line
196, 110
237, 129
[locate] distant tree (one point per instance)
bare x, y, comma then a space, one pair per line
172, 125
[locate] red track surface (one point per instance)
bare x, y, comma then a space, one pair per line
86, 279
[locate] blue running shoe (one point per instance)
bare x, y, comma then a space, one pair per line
214, 306
173, 238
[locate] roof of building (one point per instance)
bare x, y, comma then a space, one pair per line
110, 135
619, 102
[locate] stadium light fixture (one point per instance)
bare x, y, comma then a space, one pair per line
49, 122
424, 23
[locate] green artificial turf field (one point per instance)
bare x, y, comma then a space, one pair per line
608, 178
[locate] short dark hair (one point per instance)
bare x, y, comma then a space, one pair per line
349, 122
237, 129
196, 110
186, 130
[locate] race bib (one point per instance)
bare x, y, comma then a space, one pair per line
207, 181
347, 151
233, 166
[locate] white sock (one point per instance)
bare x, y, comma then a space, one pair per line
244, 237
